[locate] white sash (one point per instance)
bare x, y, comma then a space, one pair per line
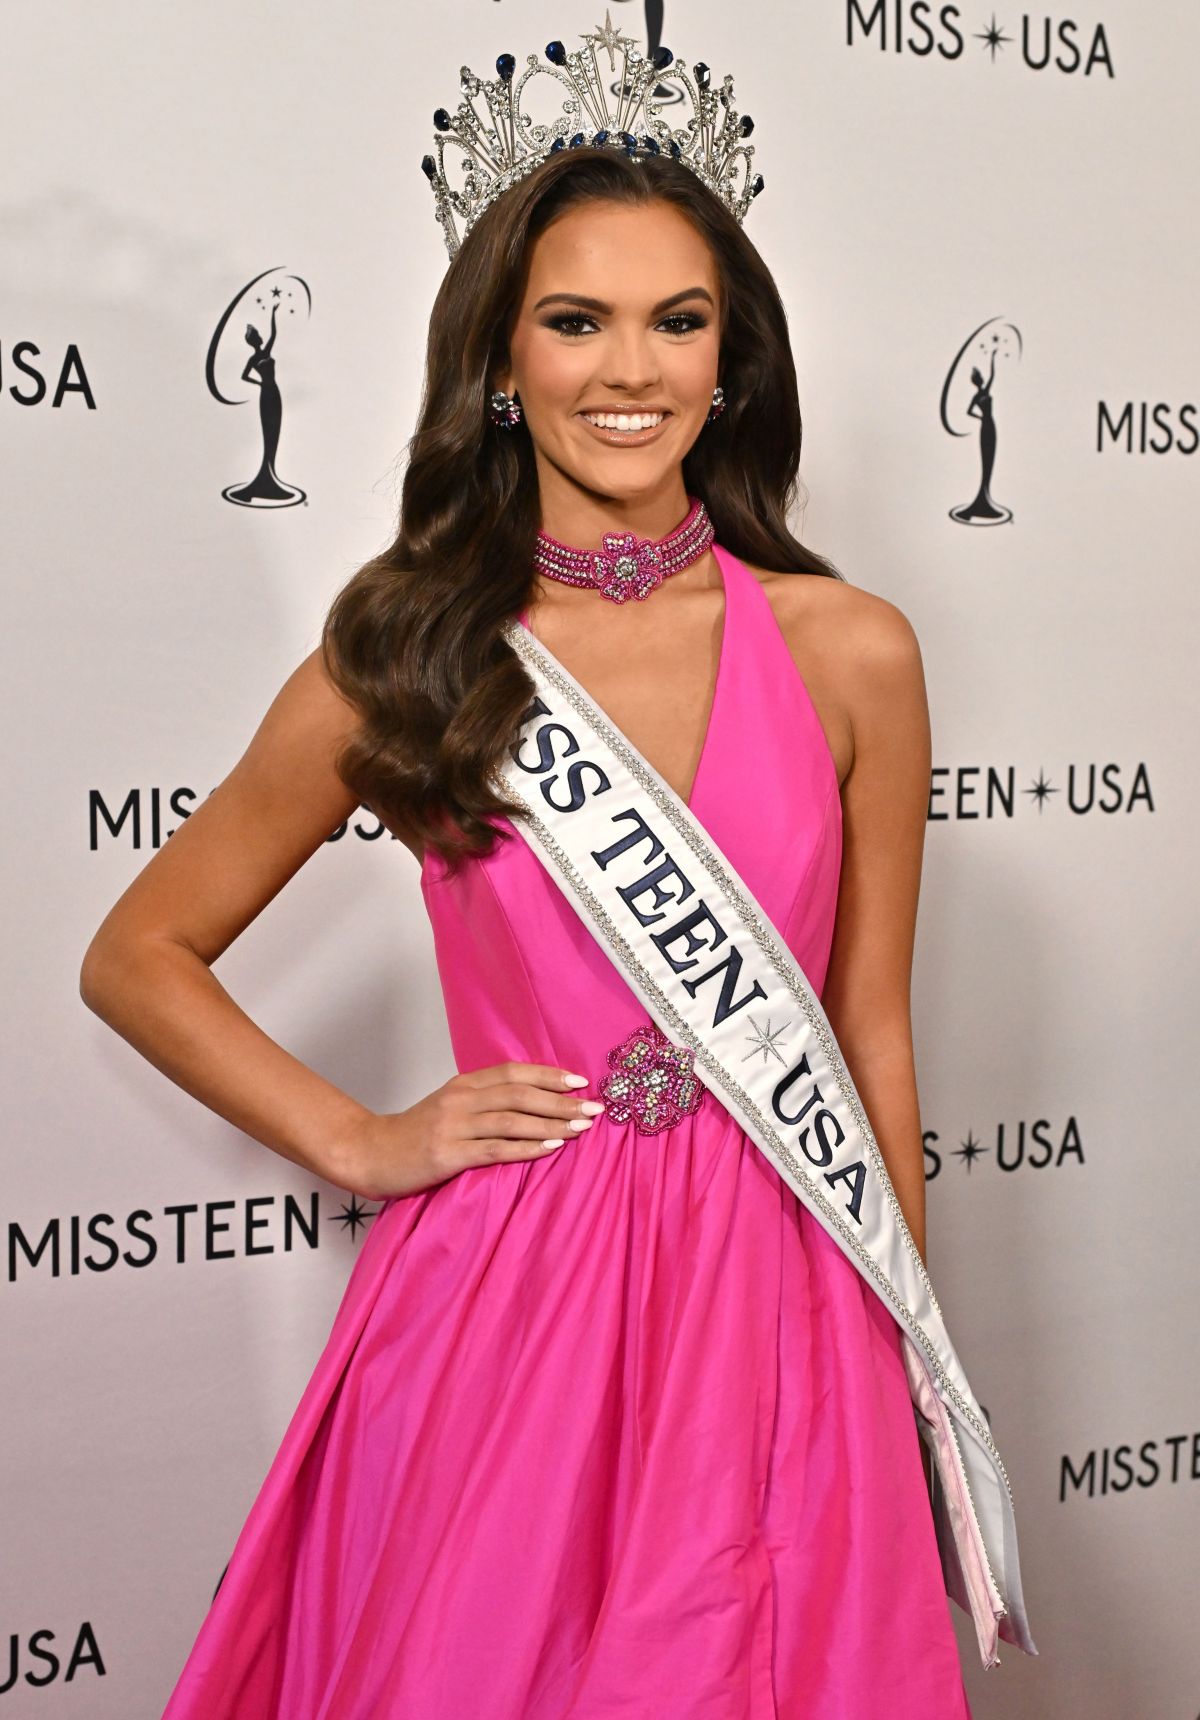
661, 899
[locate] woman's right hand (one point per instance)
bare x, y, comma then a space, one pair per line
481, 1117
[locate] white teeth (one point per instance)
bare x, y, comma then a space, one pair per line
624, 420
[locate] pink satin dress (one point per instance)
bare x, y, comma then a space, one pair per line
617, 1433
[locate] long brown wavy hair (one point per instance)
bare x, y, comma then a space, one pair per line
413, 640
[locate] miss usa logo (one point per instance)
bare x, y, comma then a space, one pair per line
973, 394
1024, 1144
249, 357
1040, 43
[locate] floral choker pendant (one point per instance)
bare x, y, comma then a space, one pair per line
628, 566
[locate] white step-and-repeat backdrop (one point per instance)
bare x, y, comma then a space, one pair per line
983, 224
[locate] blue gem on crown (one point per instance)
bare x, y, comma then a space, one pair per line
502, 143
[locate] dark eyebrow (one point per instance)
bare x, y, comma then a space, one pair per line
606, 310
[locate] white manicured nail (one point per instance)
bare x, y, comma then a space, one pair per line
558, 1143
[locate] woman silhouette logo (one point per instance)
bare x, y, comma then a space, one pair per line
982, 509
265, 489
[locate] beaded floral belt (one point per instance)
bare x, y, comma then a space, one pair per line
651, 1082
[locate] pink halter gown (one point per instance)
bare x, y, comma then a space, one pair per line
617, 1433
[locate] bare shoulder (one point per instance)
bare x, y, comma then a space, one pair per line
310, 705
287, 773
320, 720
295, 751
288, 769
861, 627
857, 652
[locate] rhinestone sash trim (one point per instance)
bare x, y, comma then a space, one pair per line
650, 1081
628, 566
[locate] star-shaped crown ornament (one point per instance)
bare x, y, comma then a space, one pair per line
501, 145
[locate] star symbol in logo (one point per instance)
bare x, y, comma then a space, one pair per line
351, 1216
970, 1151
1041, 789
993, 37
762, 1039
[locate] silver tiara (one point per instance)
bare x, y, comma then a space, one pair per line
503, 145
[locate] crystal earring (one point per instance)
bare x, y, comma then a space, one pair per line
504, 410
718, 405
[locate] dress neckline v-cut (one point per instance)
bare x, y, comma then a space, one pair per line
722, 558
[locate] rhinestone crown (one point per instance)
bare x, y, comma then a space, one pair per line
501, 146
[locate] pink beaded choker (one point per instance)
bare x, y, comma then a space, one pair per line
628, 566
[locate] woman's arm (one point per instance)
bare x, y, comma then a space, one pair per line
147, 969
885, 801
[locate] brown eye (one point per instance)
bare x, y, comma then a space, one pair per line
569, 323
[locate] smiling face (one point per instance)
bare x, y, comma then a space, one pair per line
614, 350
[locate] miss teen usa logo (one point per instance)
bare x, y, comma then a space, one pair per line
81, 1244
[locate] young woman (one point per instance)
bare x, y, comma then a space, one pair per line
607, 1423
